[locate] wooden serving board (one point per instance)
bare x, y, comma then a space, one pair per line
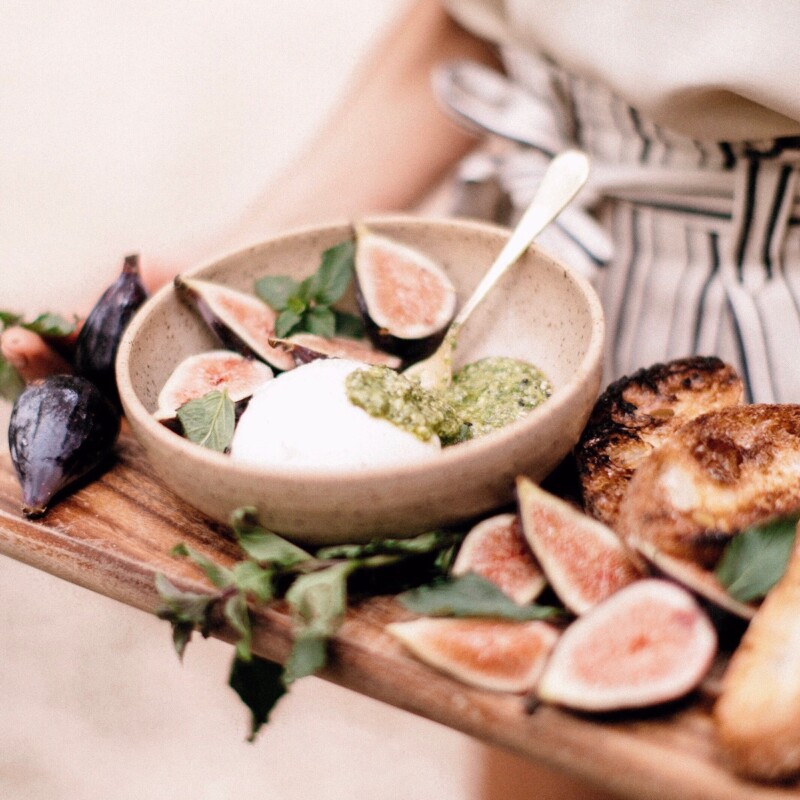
113, 535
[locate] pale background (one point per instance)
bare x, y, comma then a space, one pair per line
141, 125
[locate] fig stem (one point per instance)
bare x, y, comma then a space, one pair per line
565, 175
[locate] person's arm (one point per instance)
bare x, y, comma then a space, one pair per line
386, 144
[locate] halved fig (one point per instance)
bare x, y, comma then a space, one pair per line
500, 655
703, 582
584, 561
496, 549
206, 372
648, 644
241, 321
305, 347
406, 299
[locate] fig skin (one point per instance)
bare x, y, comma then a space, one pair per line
61, 429
99, 338
648, 644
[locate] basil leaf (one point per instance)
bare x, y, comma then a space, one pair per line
185, 611
286, 322
262, 545
320, 321
318, 601
349, 325
333, 276
209, 420
53, 325
258, 683
221, 577
470, 596
755, 560
275, 290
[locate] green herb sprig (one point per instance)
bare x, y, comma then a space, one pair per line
51, 326
306, 306
315, 587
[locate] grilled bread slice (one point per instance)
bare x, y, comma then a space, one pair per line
758, 712
636, 414
720, 473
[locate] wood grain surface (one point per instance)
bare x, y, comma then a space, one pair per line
114, 534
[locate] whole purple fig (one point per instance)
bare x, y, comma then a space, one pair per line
61, 428
96, 347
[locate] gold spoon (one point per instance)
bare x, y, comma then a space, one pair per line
565, 175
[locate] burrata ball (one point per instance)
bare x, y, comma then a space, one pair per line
304, 419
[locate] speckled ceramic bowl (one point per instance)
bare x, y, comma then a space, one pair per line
541, 312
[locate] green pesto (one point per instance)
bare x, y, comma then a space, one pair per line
387, 394
496, 391
483, 397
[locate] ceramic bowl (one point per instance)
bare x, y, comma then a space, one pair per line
541, 312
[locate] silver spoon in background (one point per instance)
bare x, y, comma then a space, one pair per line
566, 174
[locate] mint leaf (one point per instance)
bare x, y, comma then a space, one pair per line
321, 321
252, 579
262, 545
318, 601
221, 577
275, 290
209, 420
11, 384
259, 685
470, 596
424, 543
348, 324
333, 276
286, 323
185, 611
235, 610
8, 318
755, 560
52, 325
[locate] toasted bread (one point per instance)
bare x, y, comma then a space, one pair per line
720, 473
758, 712
636, 414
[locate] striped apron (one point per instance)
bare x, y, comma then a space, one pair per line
693, 247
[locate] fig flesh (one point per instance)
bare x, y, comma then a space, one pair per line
499, 655
702, 582
205, 372
61, 428
99, 338
584, 561
648, 644
305, 347
496, 550
240, 321
406, 299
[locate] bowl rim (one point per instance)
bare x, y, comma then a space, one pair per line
564, 395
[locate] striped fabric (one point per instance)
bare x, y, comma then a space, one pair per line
706, 235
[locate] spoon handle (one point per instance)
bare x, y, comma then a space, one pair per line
566, 174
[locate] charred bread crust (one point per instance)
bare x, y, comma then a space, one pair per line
720, 473
636, 414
